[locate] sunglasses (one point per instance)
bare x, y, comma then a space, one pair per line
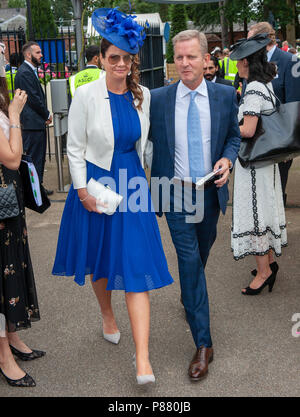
115, 59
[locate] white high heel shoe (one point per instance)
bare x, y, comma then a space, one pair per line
112, 338
143, 379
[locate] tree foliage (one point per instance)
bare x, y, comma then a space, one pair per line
178, 23
62, 11
14, 4
242, 11
43, 19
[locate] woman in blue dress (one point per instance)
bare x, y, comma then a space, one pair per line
107, 141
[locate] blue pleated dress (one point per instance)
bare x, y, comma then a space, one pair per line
125, 247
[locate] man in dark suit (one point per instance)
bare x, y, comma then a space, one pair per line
35, 115
212, 72
194, 130
286, 85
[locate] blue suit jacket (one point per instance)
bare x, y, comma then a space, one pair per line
285, 85
225, 133
35, 112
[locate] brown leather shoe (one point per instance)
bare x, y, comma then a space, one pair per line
199, 366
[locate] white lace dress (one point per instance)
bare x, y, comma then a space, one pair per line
258, 221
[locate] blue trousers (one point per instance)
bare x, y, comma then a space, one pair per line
34, 144
193, 242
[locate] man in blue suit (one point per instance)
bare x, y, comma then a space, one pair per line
194, 130
35, 115
286, 85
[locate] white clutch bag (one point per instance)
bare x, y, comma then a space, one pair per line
106, 195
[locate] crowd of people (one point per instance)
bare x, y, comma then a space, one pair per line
183, 131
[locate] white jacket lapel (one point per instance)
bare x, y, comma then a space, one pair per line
105, 115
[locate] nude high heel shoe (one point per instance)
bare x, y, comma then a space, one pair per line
112, 338
143, 379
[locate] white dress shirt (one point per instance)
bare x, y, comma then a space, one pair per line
182, 169
270, 53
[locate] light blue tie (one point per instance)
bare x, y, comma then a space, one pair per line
194, 134
36, 73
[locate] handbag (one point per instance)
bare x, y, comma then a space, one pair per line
277, 136
35, 197
106, 195
9, 206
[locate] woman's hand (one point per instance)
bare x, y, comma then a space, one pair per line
16, 106
89, 202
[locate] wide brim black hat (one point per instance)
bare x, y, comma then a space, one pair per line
246, 47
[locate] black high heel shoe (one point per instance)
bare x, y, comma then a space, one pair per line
26, 381
35, 354
274, 268
270, 281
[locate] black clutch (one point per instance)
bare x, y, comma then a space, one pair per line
33, 189
277, 137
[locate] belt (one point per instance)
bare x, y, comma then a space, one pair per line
207, 185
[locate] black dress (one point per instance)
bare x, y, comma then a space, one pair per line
18, 298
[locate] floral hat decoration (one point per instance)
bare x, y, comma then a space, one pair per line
119, 29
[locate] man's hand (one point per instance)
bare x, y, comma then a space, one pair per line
49, 121
225, 165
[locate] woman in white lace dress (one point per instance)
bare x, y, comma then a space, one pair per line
258, 226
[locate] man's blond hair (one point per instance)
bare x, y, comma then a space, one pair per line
264, 27
186, 35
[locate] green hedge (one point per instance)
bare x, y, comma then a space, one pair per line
178, 24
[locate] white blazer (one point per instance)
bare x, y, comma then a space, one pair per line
91, 134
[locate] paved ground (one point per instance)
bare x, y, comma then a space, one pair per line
255, 352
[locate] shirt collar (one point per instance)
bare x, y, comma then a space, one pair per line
214, 79
31, 66
270, 53
91, 66
183, 90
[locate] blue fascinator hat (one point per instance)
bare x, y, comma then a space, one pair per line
119, 29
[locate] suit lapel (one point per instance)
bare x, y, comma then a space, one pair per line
37, 82
215, 118
275, 57
170, 117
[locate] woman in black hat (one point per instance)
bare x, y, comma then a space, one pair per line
259, 226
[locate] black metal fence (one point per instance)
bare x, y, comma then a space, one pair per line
60, 57
152, 59
14, 41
